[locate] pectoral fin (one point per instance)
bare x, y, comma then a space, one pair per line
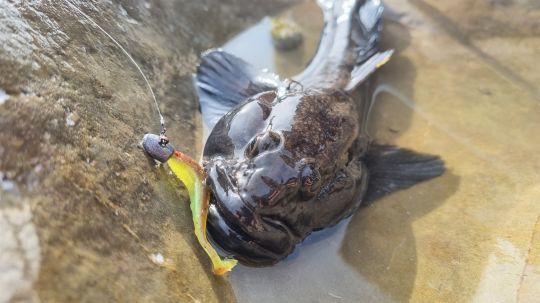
361, 72
392, 168
223, 81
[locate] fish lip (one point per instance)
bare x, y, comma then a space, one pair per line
243, 245
232, 241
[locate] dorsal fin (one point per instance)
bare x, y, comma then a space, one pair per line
223, 81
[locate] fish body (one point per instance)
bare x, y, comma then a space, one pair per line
289, 157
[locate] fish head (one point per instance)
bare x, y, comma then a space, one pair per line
247, 153
263, 171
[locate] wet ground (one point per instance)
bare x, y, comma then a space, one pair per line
85, 216
458, 86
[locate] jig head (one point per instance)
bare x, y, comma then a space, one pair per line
157, 147
192, 175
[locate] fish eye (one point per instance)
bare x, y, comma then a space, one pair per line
311, 181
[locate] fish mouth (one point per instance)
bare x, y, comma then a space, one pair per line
232, 241
235, 227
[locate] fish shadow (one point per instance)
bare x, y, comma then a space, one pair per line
379, 242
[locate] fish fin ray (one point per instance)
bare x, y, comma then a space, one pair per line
392, 168
223, 81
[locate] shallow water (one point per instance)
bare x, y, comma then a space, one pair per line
456, 88
85, 216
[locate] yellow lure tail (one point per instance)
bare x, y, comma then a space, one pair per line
192, 175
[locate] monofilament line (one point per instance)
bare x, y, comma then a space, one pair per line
161, 119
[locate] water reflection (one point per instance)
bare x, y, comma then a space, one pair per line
255, 43
314, 273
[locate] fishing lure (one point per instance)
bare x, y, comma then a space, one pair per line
184, 168
193, 177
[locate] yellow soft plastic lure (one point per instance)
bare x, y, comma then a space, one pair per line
193, 176
185, 168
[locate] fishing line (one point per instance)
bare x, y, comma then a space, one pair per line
161, 119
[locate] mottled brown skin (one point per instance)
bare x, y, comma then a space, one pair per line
294, 168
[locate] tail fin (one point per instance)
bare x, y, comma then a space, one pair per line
392, 168
350, 36
366, 29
